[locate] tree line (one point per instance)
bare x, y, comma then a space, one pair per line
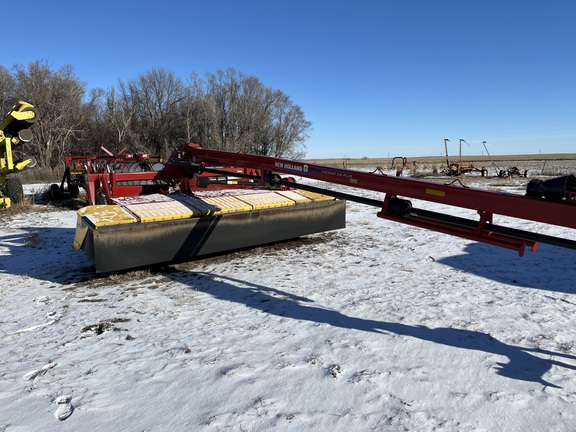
153, 113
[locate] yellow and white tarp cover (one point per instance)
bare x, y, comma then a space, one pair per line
160, 207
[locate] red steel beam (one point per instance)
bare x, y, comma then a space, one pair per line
515, 206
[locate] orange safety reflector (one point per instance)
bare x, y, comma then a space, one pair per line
435, 192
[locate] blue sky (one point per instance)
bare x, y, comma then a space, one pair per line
376, 78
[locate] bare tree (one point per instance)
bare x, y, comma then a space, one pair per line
57, 95
7, 96
198, 111
99, 131
238, 113
290, 129
154, 98
119, 114
154, 112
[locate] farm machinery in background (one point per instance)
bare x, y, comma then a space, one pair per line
454, 169
399, 164
512, 172
80, 171
207, 201
14, 131
509, 172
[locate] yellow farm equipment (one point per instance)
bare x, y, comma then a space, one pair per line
14, 131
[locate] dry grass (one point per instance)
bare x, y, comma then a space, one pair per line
37, 175
25, 206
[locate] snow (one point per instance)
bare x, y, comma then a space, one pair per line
379, 326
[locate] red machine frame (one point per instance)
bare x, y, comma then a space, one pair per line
79, 168
192, 167
102, 187
560, 211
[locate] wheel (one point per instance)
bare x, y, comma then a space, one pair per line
100, 198
14, 190
74, 190
484, 172
135, 167
54, 191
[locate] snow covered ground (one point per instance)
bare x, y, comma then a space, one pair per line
380, 327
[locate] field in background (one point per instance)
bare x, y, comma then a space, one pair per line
535, 164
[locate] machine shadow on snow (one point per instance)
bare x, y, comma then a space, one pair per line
522, 363
529, 271
45, 254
